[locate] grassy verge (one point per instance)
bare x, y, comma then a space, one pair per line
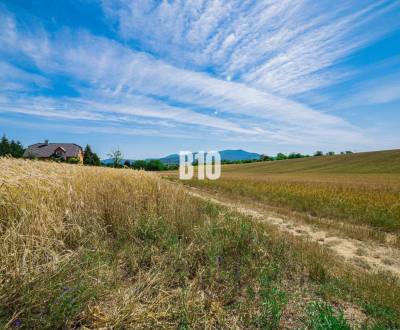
92, 247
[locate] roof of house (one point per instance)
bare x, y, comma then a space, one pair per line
45, 150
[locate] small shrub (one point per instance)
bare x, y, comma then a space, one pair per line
388, 318
321, 316
73, 160
272, 302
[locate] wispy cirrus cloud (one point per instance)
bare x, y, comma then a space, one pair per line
286, 46
130, 83
13, 78
226, 67
378, 91
72, 55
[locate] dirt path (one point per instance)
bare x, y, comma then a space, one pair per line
365, 255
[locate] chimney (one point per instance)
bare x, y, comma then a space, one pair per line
46, 142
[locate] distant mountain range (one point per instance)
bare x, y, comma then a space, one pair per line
231, 155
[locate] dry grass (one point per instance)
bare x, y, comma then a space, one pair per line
59, 218
96, 247
358, 195
373, 210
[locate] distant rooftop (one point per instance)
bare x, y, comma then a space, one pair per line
46, 149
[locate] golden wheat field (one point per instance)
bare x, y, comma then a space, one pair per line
89, 248
361, 190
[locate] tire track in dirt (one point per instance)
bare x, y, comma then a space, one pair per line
366, 255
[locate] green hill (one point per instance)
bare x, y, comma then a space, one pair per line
387, 161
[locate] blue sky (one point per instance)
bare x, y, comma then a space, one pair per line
156, 77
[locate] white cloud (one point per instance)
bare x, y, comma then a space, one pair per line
377, 91
384, 94
286, 46
119, 84
13, 78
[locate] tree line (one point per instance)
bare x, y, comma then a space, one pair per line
294, 155
16, 149
117, 161
11, 148
151, 165
282, 156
